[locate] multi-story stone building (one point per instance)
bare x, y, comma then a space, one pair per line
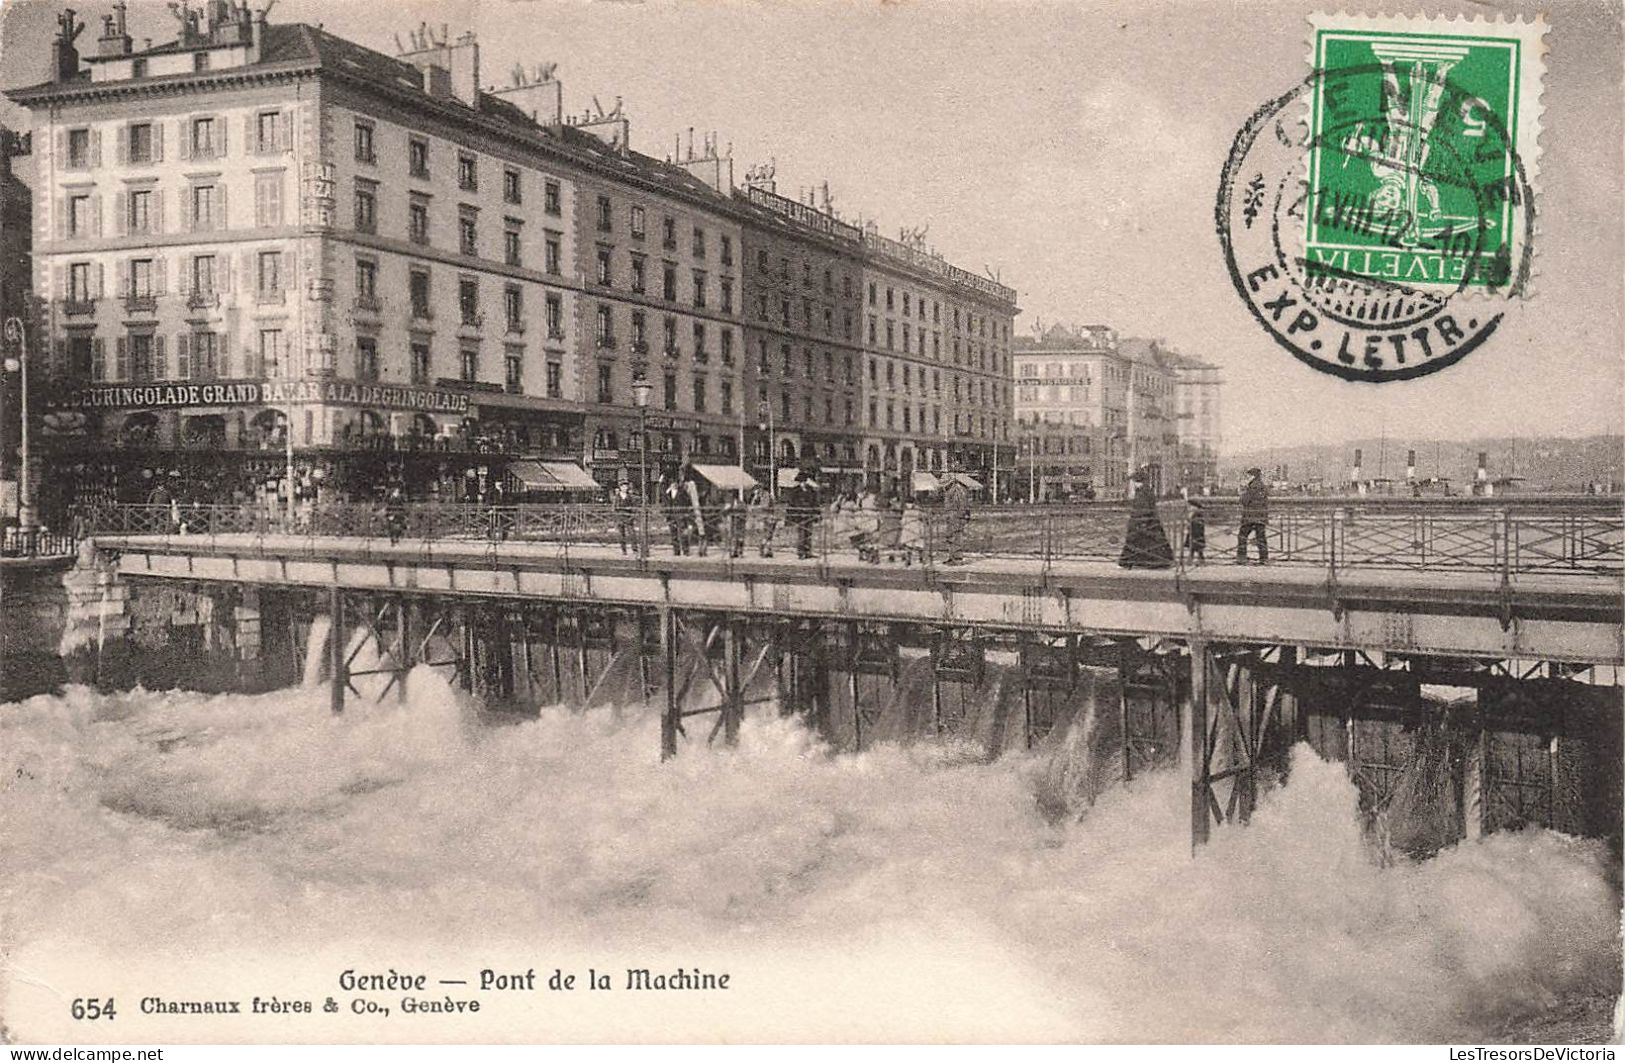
1196, 404
1071, 413
936, 386
804, 356
259, 239
1092, 408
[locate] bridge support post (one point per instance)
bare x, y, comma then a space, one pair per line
1194, 744
339, 678
668, 649
733, 706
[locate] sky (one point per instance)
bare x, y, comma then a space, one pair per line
1074, 149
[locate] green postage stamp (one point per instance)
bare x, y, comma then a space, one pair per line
1379, 218
1418, 130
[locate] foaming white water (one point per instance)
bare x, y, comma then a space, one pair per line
235, 822
316, 649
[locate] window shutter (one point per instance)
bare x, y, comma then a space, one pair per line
101, 280
220, 129
61, 217
223, 342
250, 145
121, 364
183, 356
160, 275
287, 130
123, 277
123, 144
183, 282
183, 140
250, 282
160, 371
223, 280
220, 218
157, 142
98, 358
158, 198
121, 210
95, 147
96, 215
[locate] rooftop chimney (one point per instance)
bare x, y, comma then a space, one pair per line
449, 69
115, 38
65, 55
613, 127
536, 92
710, 166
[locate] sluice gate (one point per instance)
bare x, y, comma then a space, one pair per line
1217, 675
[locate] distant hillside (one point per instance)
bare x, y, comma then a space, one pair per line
1544, 464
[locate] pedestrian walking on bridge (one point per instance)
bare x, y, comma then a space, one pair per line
1255, 517
1145, 544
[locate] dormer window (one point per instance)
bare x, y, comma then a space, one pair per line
138, 68
200, 63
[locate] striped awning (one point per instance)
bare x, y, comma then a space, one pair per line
925, 481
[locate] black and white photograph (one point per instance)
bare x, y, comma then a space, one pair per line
560, 522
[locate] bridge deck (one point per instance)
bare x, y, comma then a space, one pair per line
1565, 617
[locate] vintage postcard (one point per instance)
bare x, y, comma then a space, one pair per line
547, 521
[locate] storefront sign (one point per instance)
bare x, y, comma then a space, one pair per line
264, 393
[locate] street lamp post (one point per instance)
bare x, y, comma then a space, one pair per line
764, 411
16, 334
641, 390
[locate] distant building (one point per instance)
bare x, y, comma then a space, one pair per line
1091, 408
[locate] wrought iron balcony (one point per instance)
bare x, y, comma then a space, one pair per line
368, 304
202, 300
141, 304
78, 307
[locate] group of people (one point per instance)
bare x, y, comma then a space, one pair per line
878, 527
1145, 544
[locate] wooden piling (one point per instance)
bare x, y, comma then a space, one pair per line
1194, 742
339, 678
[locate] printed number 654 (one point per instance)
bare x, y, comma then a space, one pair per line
93, 1008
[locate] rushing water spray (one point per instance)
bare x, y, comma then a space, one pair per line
813, 877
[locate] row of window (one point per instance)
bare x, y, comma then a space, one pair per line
807, 316
913, 419
764, 366
699, 394
140, 281
141, 210
608, 338
420, 292
765, 274
981, 325
142, 355
637, 227
421, 365
699, 280
973, 390
808, 407
975, 354
265, 132
419, 157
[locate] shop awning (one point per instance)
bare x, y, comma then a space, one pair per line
727, 477
571, 476
552, 476
967, 479
925, 481
787, 477
532, 476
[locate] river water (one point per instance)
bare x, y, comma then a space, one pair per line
906, 892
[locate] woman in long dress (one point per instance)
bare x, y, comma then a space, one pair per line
1145, 544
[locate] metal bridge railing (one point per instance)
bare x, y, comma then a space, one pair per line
1507, 540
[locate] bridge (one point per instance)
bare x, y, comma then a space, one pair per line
1363, 611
